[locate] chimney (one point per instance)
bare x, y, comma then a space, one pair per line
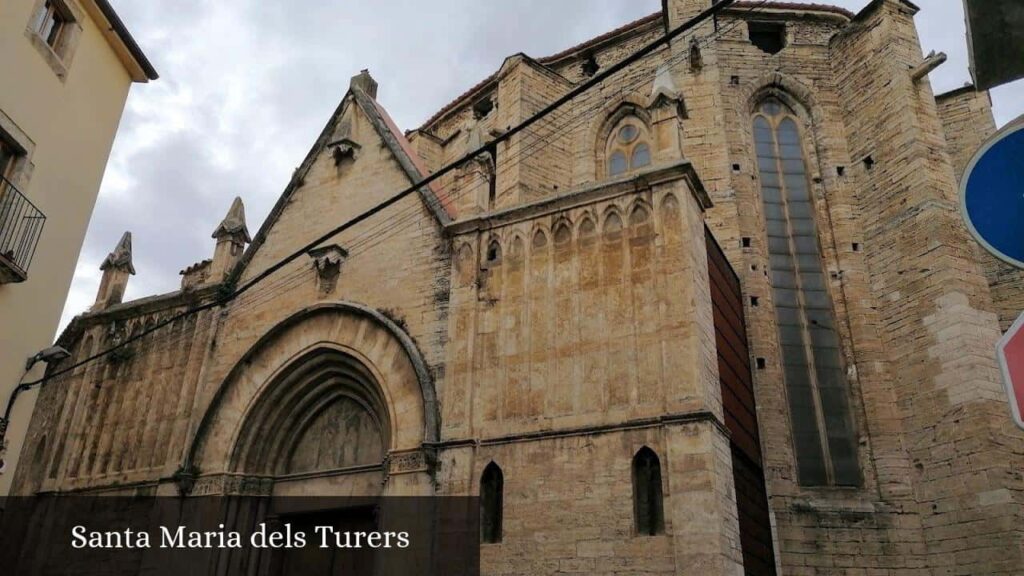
116, 267
232, 235
365, 82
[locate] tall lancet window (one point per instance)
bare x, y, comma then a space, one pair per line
648, 500
492, 496
816, 387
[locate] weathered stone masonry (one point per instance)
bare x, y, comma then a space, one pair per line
546, 309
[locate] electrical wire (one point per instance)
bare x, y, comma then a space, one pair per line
425, 182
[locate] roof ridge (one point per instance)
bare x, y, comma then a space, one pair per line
557, 56
602, 37
810, 6
438, 204
813, 7
437, 201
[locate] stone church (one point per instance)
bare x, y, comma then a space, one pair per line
718, 315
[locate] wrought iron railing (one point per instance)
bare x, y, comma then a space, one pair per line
21, 224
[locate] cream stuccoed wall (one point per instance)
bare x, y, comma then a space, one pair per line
71, 124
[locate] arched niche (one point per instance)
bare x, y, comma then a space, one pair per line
465, 265
517, 250
671, 220
329, 364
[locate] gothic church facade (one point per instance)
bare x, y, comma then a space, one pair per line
718, 316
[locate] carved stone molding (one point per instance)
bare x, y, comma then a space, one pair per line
407, 463
327, 261
232, 485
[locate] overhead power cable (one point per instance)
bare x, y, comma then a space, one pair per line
596, 80
540, 142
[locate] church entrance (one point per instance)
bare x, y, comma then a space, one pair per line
320, 420
312, 560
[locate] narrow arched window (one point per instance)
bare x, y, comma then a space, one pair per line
628, 147
492, 486
648, 505
493, 253
816, 386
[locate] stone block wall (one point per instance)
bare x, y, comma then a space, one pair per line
569, 506
818, 529
581, 317
161, 389
967, 119
568, 500
582, 330
967, 123
932, 296
124, 419
567, 323
535, 164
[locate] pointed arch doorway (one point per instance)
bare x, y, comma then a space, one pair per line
330, 411
321, 426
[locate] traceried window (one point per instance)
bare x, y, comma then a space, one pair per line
52, 22
628, 147
816, 385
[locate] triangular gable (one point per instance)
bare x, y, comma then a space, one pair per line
436, 202
436, 199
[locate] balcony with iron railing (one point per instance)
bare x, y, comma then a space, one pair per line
21, 224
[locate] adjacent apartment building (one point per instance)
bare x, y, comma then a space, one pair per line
65, 70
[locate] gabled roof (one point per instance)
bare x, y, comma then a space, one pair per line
436, 201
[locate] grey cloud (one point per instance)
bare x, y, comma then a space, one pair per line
246, 86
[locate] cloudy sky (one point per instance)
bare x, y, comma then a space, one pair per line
246, 86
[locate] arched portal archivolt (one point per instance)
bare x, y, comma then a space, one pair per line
324, 411
328, 365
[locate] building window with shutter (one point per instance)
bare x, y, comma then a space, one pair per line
815, 381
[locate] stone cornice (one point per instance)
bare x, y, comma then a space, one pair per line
588, 194
136, 308
701, 416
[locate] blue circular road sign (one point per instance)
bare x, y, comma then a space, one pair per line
992, 196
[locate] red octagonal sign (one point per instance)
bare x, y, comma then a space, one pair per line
1010, 351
